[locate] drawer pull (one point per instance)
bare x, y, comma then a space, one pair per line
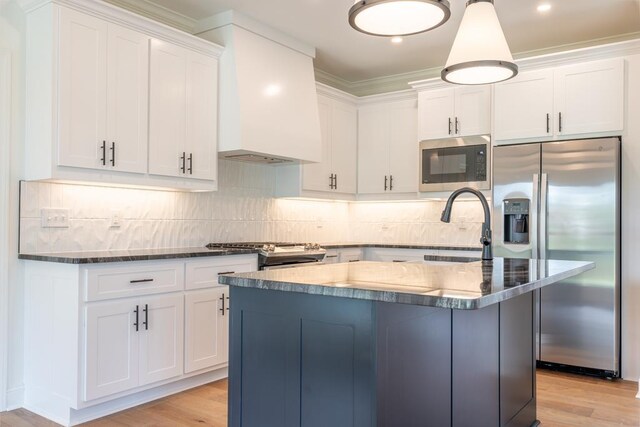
225, 272
228, 304
222, 309
353, 260
331, 256
140, 281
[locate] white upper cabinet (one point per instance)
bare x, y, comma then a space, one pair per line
335, 175
388, 148
107, 103
83, 89
103, 94
167, 109
524, 106
576, 99
183, 112
589, 97
460, 111
336, 172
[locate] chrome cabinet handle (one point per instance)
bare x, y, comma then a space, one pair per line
190, 164
113, 153
103, 147
228, 305
385, 183
449, 125
457, 130
225, 272
547, 122
335, 181
182, 159
331, 182
390, 182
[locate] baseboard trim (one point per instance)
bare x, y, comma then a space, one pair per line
84, 415
15, 398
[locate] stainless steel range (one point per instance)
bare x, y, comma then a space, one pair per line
279, 255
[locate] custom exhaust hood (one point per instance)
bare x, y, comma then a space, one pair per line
268, 101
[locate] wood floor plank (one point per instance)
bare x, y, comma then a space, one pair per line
564, 400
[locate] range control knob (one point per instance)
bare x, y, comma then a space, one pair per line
269, 248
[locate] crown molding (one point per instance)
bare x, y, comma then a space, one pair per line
232, 17
333, 93
157, 13
400, 95
128, 19
555, 59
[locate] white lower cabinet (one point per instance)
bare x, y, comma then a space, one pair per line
118, 334
207, 328
132, 342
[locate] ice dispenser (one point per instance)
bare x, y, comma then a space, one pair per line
516, 221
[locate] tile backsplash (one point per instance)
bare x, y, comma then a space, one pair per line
243, 209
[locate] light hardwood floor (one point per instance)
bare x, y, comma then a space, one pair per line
563, 400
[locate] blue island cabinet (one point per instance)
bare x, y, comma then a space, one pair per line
308, 360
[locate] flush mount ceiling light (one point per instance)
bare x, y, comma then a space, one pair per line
398, 17
480, 53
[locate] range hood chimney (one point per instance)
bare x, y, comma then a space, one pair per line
268, 101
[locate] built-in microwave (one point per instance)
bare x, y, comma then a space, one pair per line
451, 163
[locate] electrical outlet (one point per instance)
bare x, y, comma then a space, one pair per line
116, 219
54, 218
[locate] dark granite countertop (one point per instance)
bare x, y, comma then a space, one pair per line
344, 245
131, 255
95, 257
468, 285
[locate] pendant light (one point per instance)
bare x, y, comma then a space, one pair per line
398, 17
480, 53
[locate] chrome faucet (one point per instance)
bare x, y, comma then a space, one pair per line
485, 239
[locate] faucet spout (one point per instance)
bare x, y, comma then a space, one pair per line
485, 239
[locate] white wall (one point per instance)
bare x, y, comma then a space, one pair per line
12, 38
243, 210
630, 225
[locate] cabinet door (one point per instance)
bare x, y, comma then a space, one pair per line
524, 106
202, 117
111, 354
167, 108
206, 329
472, 111
82, 89
316, 176
161, 337
127, 99
344, 146
589, 97
436, 113
373, 150
403, 152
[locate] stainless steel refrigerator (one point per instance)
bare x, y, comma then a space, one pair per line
561, 200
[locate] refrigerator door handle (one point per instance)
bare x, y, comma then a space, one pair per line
544, 185
535, 254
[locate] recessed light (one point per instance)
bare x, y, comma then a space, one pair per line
546, 7
396, 39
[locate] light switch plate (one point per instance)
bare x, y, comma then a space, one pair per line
54, 218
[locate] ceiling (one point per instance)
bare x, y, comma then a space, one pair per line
351, 56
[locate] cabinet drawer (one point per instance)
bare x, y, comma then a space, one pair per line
120, 280
204, 273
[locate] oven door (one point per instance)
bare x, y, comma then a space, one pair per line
295, 264
452, 163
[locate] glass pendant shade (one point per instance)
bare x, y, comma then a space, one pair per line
398, 17
480, 53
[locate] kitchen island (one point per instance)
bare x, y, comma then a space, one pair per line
387, 344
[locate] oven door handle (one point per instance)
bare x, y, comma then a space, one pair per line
297, 264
